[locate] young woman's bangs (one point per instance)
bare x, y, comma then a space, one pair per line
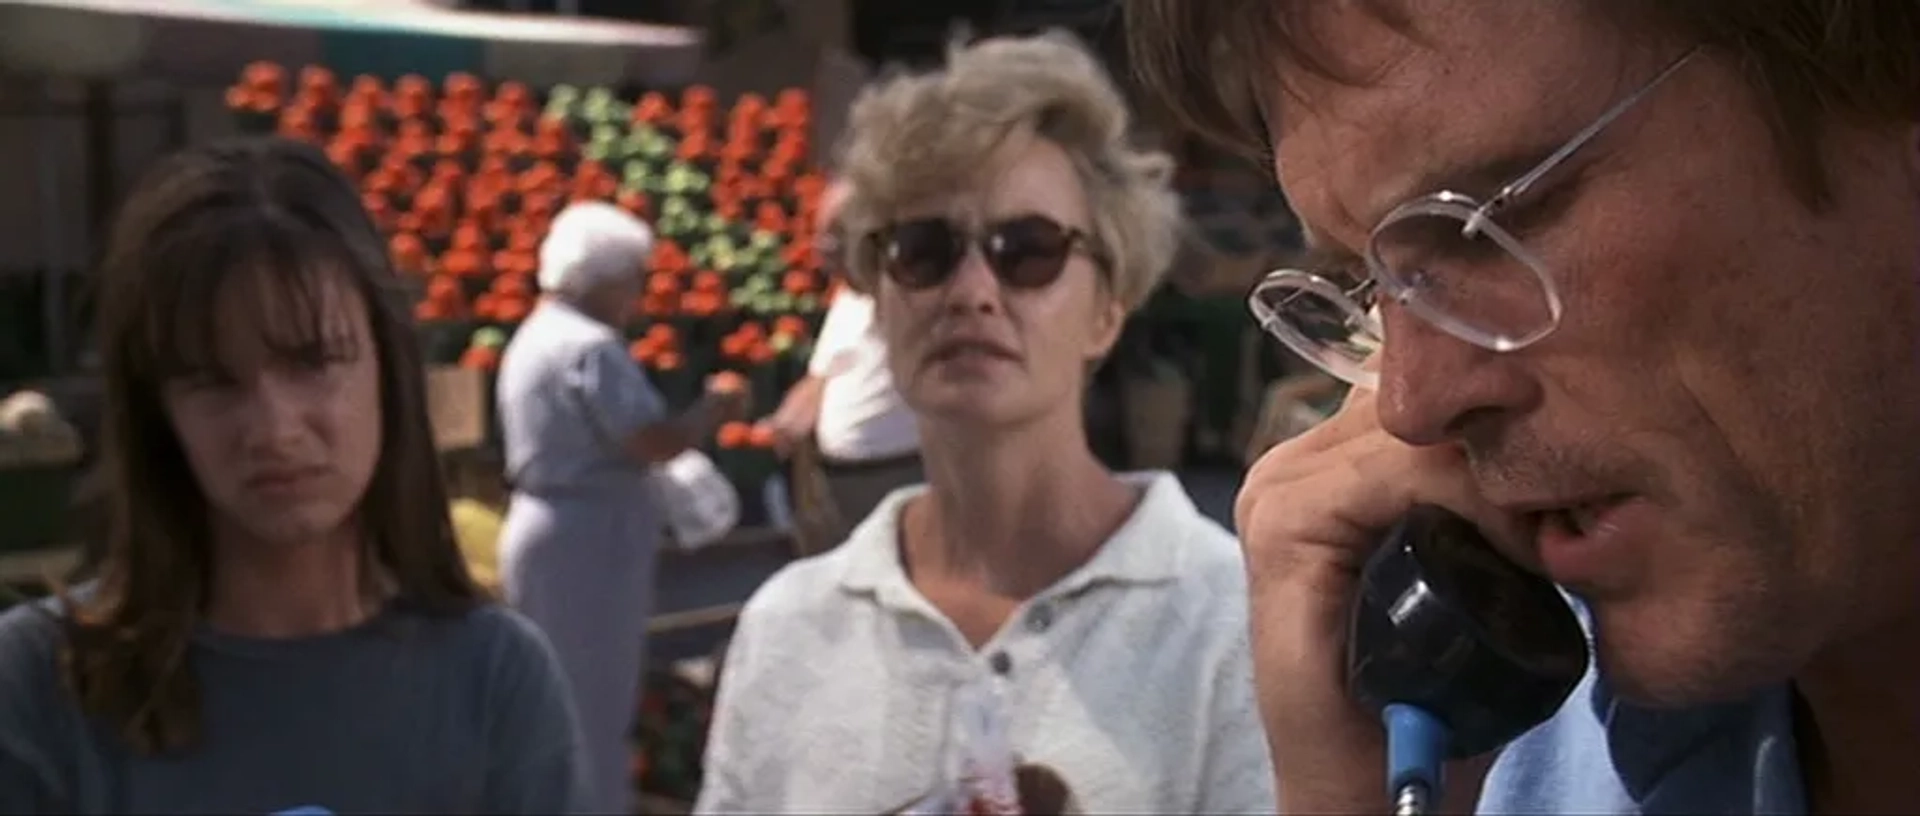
281, 283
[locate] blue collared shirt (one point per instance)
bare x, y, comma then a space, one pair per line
1602, 755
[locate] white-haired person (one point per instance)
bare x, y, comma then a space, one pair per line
1005, 226
846, 406
582, 426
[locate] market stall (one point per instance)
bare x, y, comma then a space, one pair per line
99, 45
65, 62
465, 176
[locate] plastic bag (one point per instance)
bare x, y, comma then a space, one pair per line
981, 775
977, 762
980, 751
701, 504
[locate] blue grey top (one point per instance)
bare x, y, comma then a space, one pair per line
406, 713
569, 397
1602, 755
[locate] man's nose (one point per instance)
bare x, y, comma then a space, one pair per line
1434, 387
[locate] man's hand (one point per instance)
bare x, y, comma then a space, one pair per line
1309, 514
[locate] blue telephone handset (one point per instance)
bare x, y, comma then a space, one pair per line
1457, 648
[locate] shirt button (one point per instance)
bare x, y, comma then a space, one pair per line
1001, 663
1040, 619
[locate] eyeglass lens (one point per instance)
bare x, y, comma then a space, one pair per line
1459, 272
1475, 284
1335, 319
1028, 252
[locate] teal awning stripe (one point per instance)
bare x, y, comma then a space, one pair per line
389, 55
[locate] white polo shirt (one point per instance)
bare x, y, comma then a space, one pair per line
1131, 677
862, 417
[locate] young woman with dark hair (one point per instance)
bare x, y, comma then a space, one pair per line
282, 619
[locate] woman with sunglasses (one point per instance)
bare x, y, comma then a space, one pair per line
282, 621
1005, 228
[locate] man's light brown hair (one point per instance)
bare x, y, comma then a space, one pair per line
1810, 62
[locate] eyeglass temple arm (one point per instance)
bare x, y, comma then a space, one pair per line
1519, 186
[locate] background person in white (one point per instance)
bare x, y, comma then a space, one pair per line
1008, 229
866, 434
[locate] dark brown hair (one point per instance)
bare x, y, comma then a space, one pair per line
1809, 61
201, 218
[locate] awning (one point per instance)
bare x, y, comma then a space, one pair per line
209, 41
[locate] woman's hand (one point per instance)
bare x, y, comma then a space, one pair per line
729, 394
787, 433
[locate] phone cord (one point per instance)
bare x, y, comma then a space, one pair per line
1416, 754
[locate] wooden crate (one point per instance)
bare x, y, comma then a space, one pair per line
457, 401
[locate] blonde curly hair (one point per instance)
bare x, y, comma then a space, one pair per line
914, 137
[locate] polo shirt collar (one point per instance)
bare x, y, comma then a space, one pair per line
1142, 551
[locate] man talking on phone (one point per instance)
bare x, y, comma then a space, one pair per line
1634, 285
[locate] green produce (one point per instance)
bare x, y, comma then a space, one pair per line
683, 179
605, 135
492, 337
720, 249
601, 107
643, 141
562, 102
678, 219
658, 147
635, 175
771, 264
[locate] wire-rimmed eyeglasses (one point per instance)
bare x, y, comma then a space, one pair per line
1444, 258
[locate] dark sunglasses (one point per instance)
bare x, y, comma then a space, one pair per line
1028, 252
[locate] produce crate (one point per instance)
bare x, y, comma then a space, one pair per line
670, 733
458, 402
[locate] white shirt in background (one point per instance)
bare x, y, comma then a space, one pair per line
862, 417
1131, 677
